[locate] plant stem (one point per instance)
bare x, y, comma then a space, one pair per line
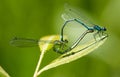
38, 65
39, 72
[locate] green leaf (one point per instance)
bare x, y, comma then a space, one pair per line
3, 73
79, 52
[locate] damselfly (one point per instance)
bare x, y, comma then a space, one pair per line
62, 45
72, 15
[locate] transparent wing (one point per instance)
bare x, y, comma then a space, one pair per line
23, 42
73, 29
73, 13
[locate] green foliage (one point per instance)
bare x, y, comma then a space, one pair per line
37, 18
79, 51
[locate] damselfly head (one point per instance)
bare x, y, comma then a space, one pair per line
104, 29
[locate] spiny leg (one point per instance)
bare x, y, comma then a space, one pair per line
104, 34
94, 35
99, 33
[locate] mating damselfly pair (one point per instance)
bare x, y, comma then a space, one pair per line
76, 27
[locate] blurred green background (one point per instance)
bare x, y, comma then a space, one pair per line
37, 18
